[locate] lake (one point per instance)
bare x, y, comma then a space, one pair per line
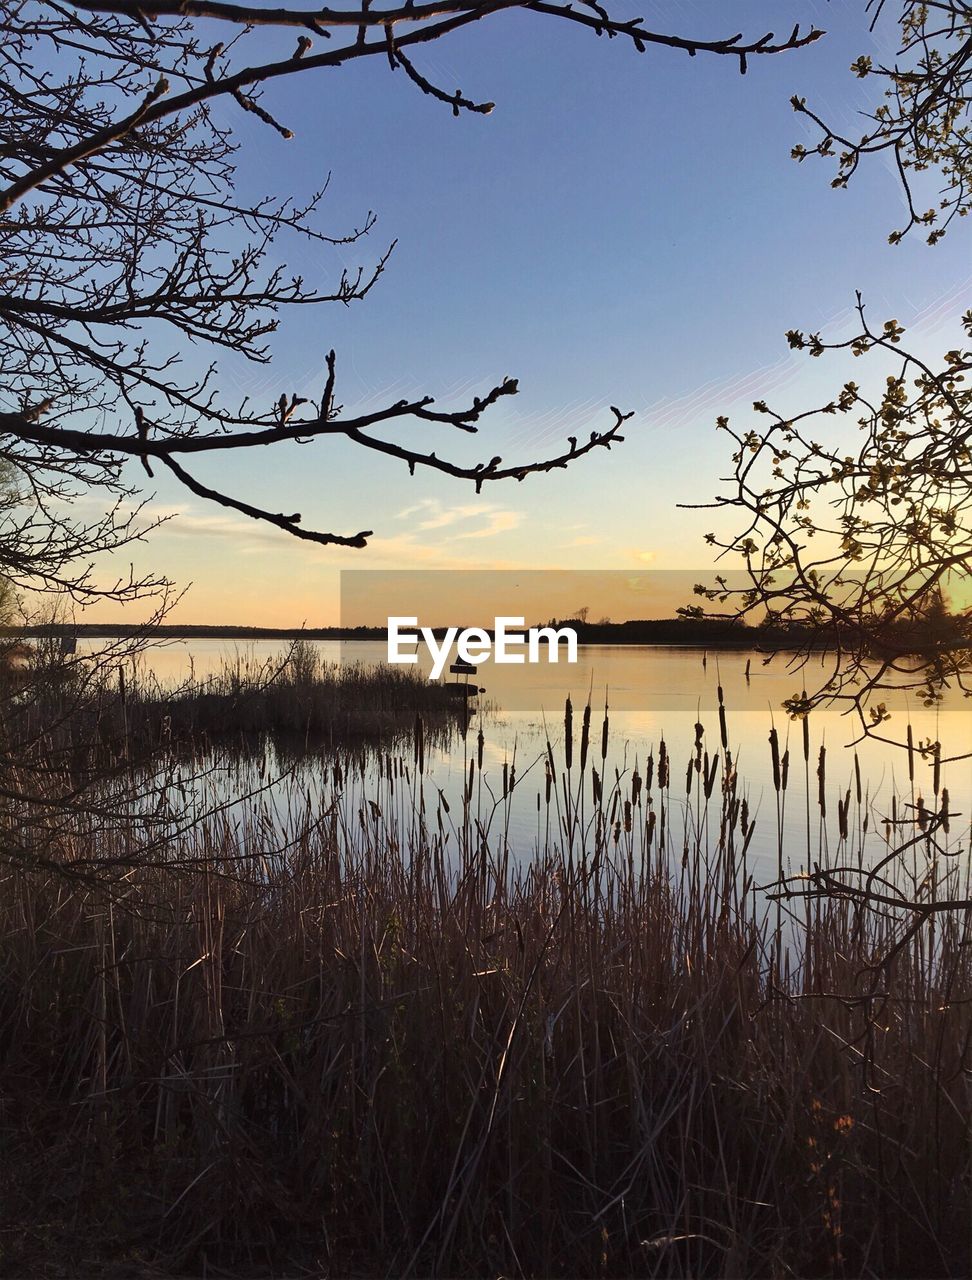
654, 694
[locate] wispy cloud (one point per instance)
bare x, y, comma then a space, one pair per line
498, 522
435, 515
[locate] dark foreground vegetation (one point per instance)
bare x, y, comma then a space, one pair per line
358, 1032
88, 709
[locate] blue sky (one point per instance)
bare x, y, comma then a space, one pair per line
623, 229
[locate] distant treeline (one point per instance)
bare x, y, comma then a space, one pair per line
938, 630
659, 631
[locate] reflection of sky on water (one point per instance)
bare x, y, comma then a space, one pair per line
653, 693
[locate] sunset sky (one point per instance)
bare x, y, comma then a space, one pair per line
623, 229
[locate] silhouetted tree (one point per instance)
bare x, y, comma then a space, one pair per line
858, 538
923, 122
124, 244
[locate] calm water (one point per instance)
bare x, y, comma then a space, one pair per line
656, 693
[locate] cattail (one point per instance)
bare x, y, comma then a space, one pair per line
937, 769
785, 768
627, 816
604, 733
688, 776
596, 786
822, 782
710, 775
806, 733
911, 757
585, 736
774, 742
662, 765
480, 741
723, 731
568, 734
635, 786
419, 745
649, 772
843, 810
944, 810
857, 778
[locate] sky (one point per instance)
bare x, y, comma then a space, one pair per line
622, 229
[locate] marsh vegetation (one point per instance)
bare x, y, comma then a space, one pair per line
358, 1032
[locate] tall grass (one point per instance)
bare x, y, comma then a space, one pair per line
88, 706
359, 1032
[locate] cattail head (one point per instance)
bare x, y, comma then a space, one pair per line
774, 742
709, 774
585, 736
419, 746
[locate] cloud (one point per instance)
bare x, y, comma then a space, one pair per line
499, 522
438, 516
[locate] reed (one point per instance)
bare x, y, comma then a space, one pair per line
359, 1030
90, 708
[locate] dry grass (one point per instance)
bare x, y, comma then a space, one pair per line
91, 710
360, 1035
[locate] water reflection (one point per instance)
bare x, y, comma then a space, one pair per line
654, 695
